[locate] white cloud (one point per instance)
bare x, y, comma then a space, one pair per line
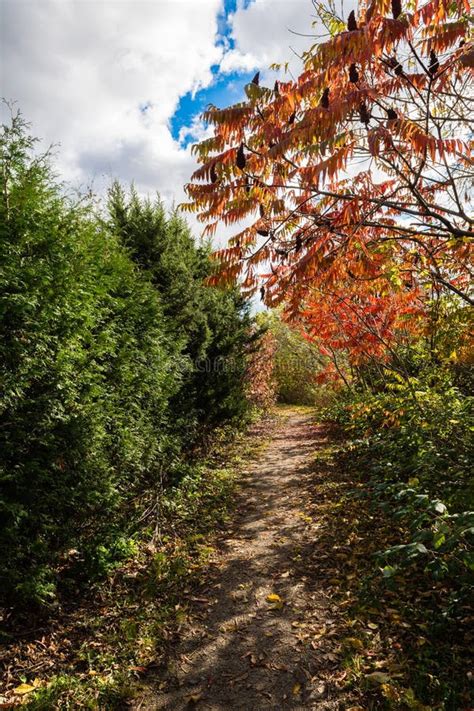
196, 132
268, 31
81, 70
103, 78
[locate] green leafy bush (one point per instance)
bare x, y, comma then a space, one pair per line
104, 324
87, 370
413, 441
211, 326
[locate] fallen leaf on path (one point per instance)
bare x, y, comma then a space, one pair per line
236, 679
251, 657
194, 699
273, 597
139, 669
275, 601
354, 643
24, 689
278, 667
318, 691
296, 689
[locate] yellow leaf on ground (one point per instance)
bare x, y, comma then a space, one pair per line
273, 597
354, 642
296, 689
320, 634
24, 689
390, 692
194, 698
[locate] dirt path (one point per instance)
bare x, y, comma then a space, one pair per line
254, 642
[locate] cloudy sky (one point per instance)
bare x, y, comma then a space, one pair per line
120, 84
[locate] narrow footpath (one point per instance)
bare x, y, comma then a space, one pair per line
260, 633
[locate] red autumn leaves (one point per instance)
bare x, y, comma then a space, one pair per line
347, 185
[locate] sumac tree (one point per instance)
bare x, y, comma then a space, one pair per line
352, 180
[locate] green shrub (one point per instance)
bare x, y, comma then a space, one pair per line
412, 439
115, 361
211, 326
87, 370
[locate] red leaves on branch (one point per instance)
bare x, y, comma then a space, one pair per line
356, 212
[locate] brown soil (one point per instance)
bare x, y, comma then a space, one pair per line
261, 635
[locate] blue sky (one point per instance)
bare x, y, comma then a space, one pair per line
118, 85
225, 88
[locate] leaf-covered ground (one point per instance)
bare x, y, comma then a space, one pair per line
276, 603
89, 650
260, 634
295, 613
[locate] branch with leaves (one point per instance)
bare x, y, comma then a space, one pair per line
355, 177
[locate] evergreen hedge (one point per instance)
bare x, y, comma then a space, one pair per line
97, 370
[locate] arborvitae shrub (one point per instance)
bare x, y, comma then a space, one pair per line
86, 370
211, 326
115, 360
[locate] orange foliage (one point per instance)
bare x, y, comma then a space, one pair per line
353, 178
260, 381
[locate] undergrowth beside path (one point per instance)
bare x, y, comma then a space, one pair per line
266, 596
90, 653
400, 649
